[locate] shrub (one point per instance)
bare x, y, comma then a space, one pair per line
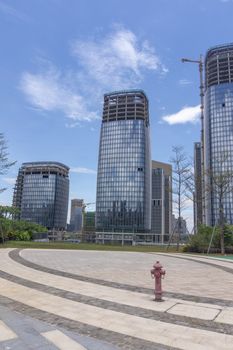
23, 236
199, 242
18, 230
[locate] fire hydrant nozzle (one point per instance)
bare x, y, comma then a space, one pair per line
158, 273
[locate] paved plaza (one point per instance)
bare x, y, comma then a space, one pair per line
101, 300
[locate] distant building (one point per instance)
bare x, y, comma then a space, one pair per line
197, 203
124, 168
76, 215
175, 228
41, 194
161, 206
88, 226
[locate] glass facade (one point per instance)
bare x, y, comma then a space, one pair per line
161, 206
76, 215
89, 226
157, 202
41, 193
123, 181
219, 127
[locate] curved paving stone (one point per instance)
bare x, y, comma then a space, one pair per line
137, 311
116, 306
124, 341
217, 263
203, 293
120, 340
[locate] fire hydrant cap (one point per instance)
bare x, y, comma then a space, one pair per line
157, 265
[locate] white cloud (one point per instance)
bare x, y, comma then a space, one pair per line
184, 82
80, 170
13, 12
185, 115
9, 180
118, 60
72, 125
50, 92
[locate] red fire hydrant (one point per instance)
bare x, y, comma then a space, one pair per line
158, 273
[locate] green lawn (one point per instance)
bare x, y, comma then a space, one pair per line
84, 246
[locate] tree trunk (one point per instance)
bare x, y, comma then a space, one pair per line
222, 239
178, 236
2, 235
179, 215
221, 219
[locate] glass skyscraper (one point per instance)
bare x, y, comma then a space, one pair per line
124, 167
218, 126
41, 194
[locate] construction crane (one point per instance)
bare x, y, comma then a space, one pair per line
87, 204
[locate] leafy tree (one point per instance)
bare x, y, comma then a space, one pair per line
8, 212
6, 228
14, 229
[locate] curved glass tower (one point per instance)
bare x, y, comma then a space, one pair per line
41, 193
218, 126
124, 167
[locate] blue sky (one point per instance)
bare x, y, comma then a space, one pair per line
58, 57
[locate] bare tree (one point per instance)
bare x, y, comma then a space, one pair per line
191, 184
220, 183
5, 164
181, 179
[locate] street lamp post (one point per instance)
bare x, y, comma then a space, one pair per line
200, 65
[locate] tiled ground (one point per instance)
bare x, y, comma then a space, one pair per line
104, 300
29, 333
182, 276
